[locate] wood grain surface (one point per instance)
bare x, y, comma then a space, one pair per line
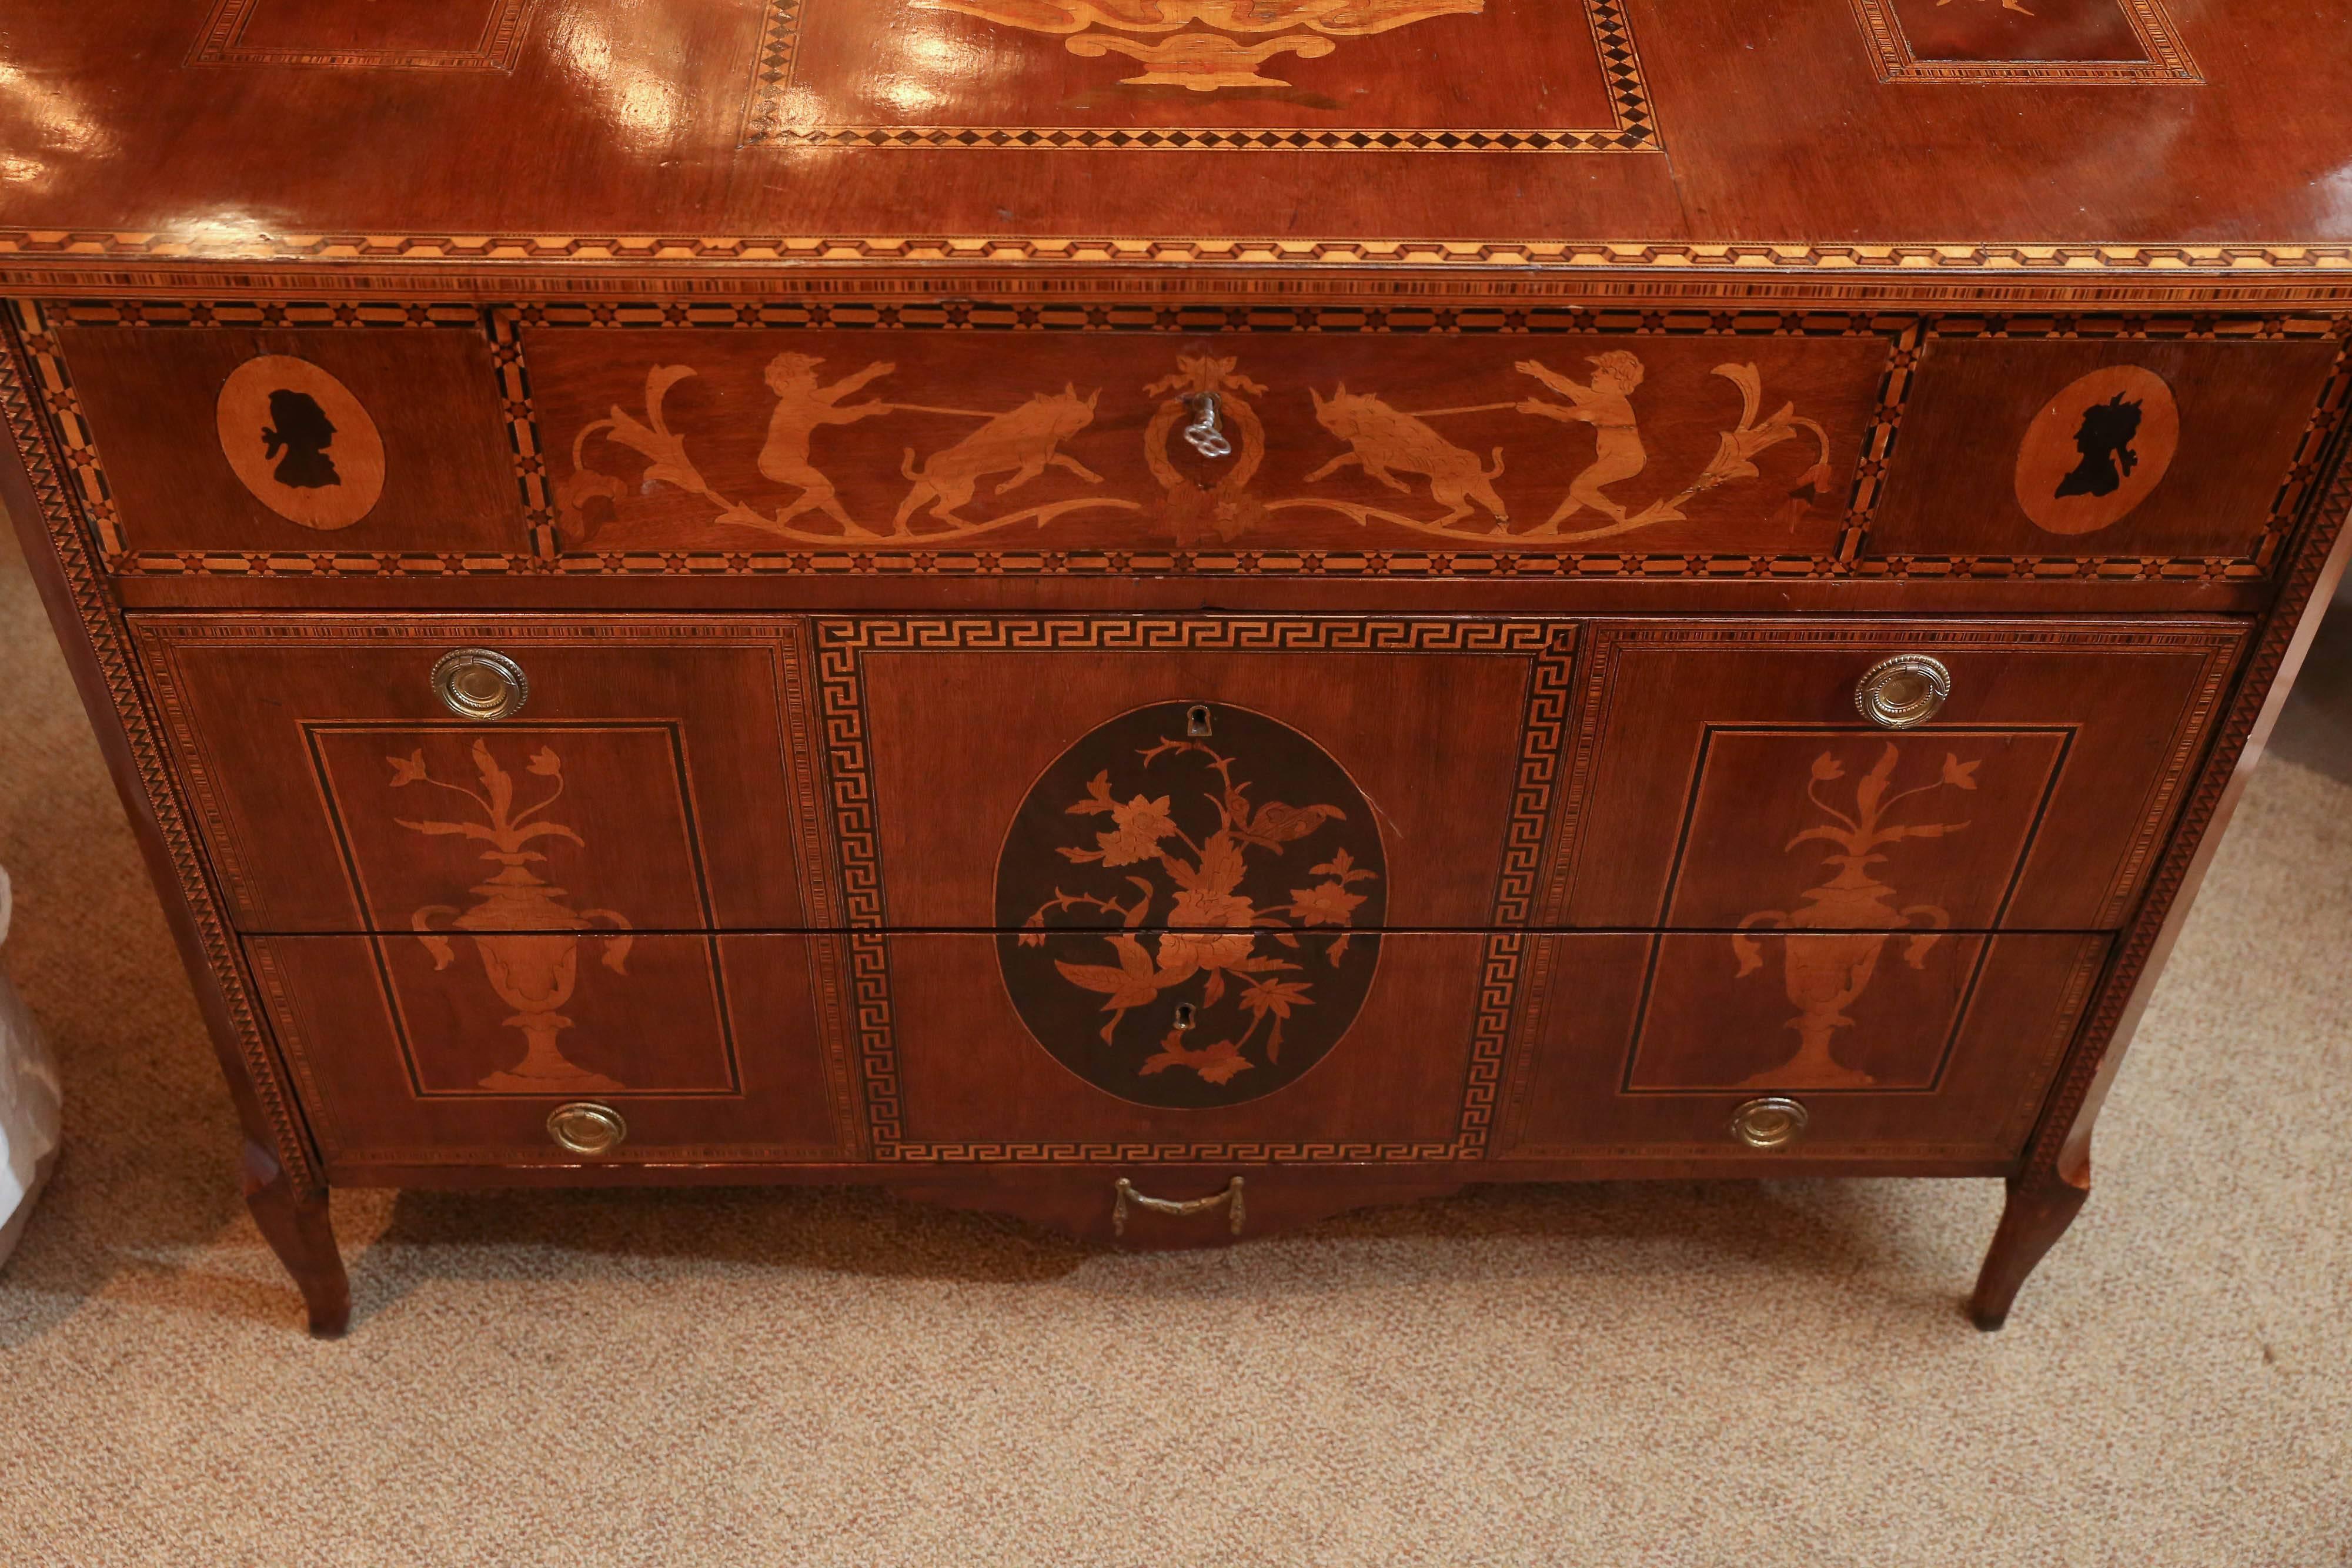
633, 123
1247, 592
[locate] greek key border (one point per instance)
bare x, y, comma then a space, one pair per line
843, 642
1632, 127
2168, 63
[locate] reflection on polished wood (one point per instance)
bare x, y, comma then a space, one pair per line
1204, 60
628, 117
2054, 43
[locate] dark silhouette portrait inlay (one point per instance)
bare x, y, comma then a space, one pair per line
301, 428
2104, 441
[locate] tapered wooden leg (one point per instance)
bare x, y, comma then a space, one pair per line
295, 1224
2041, 1205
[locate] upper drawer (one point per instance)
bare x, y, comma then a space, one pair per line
2025, 448
1357, 444
965, 772
658, 774
223, 441
1727, 777
1279, 774
1225, 773
957, 437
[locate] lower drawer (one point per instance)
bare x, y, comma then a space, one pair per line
1214, 1047
456, 1049
1891, 1045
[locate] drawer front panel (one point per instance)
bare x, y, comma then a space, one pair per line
1725, 777
1926, 1046
423, 1050
685, 439
2019, 448
659, 775
1424, 1047
363, 441
978, 1048
909, 436
1203, 771
1167, 1047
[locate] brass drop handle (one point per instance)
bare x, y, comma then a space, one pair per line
585, 1127
1206, 434
1771, 1122
481, 683
1231, 1197
1907, 690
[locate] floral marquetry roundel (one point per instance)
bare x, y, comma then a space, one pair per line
1187, 896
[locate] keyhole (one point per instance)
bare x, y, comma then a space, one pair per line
1196, 720
1183, 1015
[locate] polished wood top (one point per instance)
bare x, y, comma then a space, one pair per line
1803, 134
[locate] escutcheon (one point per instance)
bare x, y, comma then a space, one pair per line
1183, 895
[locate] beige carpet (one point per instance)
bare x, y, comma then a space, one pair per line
1738, 1372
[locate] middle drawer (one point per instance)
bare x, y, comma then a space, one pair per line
1203, 772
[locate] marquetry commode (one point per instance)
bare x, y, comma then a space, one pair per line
1176, 734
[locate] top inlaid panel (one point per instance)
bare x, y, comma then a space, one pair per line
1351, 76
398, 34
2050, 43
989, 133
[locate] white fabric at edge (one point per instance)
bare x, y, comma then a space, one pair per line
29, 1100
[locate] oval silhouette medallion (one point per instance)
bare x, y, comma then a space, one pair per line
1183, 897
300, 442
2097, 449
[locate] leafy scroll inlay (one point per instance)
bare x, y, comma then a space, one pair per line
1228, 924
958, 491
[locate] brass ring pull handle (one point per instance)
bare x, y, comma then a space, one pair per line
1771, 1122
1231, 1197
585, 1127
1206, 434
1905, 690
481, 683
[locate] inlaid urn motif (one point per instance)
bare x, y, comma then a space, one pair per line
1842, 925
1186, 42
527, 936
1178, 932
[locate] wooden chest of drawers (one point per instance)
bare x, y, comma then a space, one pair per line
1181, 653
